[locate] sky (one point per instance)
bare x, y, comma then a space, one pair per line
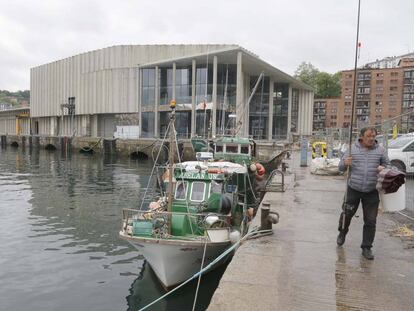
283, 33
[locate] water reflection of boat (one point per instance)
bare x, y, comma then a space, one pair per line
146, 288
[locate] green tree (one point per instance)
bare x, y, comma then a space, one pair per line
325, 84
307, 73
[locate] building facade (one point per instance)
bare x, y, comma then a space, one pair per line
325, 113
92, 93
381, 94
15, 121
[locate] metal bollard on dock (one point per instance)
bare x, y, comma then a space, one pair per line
267, 217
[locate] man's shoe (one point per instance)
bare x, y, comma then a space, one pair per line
340, 240
367, 253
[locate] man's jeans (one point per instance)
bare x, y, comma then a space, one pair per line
370, 202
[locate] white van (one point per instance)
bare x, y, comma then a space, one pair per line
401, 153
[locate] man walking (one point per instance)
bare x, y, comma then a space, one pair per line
366, 160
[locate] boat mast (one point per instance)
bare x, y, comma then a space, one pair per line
248, 101
171, 161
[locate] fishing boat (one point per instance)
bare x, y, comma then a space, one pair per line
237, 149
202, 208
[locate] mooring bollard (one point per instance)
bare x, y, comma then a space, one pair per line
267, 217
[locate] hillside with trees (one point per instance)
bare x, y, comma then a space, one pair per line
15, 99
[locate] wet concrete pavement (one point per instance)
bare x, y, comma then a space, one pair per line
301, 268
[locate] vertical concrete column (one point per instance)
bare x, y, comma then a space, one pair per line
270, 123
139, 86
157, 102
300, 112
53, 126
173, 80
214, 98
193, 99
88, 125
239, 96
305, 112
289, 119
310, 113
94, 125
246, 95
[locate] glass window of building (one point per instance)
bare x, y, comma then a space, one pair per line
147, 124
148, 87
203, 125
182, 123
226, 97
166, 85
204, 89
183, 80
259, 109
295, 111
204, 83
280, 110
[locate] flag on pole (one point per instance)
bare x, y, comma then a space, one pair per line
204, 106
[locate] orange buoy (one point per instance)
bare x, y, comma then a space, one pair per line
260, 169
214, 170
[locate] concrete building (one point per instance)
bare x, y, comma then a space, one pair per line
325, 113
90, 94
15, 121
387, 62
381, 94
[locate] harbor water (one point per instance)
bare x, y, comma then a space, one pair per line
59, 221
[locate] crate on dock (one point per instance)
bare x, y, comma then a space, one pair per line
142, 227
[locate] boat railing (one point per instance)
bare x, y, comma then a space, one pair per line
155, 223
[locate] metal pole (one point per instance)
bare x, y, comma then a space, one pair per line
171, 162
344, 205
355, 80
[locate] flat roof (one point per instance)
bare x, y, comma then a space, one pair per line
251, 62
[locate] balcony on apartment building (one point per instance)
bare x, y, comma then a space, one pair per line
319, 118
364, 76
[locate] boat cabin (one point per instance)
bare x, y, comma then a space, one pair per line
235, 149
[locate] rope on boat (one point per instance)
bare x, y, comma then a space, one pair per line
252, 233
153, 168
250, 182
182, 178
199, 277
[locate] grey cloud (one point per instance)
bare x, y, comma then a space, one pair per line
282, 32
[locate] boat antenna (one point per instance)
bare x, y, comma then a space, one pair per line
171, 160
351, 128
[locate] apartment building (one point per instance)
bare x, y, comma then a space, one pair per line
325, 113
381, 94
